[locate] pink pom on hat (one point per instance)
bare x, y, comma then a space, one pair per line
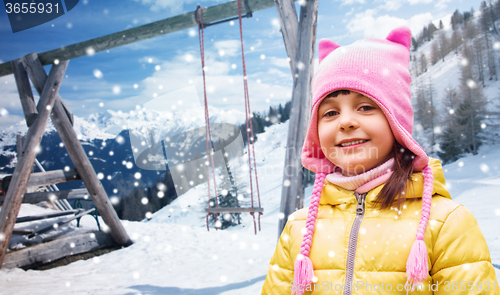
378, 69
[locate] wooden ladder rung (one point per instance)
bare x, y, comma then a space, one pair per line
233, 210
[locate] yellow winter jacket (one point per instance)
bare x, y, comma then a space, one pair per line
458, 257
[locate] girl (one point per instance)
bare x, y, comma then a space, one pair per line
381, 220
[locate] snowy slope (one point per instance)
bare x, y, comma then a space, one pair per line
175, 254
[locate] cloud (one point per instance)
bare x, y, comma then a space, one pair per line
228, 47
441, 4
9, 97
280, 62
7, 121
372, 25
224, 84
351, 2
175, 6
392, 5
413, 2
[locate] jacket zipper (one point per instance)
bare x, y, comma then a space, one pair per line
353, 241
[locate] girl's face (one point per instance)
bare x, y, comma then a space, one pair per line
354, 133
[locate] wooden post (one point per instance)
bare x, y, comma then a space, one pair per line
19, 182
289, 28
292, 195
19, 145
25, 93
158, 28
75, 150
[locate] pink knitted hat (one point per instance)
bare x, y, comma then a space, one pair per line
378, 69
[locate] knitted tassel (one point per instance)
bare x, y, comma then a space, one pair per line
303, 267
416, 266
303, 274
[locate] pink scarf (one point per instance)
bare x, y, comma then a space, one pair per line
364, 182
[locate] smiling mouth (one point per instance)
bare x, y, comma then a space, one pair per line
344, 144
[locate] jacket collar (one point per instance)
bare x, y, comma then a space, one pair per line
335, 195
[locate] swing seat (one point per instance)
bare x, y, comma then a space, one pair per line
234, 210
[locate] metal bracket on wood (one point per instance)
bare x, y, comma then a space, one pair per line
248, 14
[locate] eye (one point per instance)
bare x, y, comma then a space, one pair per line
330, 114
366, 108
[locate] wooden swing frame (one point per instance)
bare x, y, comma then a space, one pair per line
299, 38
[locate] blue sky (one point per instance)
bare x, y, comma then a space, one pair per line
130, 76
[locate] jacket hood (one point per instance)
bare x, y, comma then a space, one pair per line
335, 195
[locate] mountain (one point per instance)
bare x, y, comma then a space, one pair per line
106, 139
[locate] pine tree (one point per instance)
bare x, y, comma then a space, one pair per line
435, 54
456, 19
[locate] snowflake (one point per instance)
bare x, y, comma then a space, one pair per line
137, 175
117, 89
120, 139
471, 84
144, 201
98, 74
3, 112
100, 175
262, 56
484, 168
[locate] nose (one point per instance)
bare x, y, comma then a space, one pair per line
347, 122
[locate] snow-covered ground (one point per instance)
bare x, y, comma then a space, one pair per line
175, 254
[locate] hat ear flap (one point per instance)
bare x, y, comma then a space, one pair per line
326, 47
401, 35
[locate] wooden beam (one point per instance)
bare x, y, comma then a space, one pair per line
22, 231
19, 145
25, 93
35, 198
67, 111
289, 24
57, 249
292, 196
52, 177
158, 28
77, 154
47, 216
19, 182
233, 210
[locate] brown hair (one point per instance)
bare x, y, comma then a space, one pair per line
396, 184
403, 169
